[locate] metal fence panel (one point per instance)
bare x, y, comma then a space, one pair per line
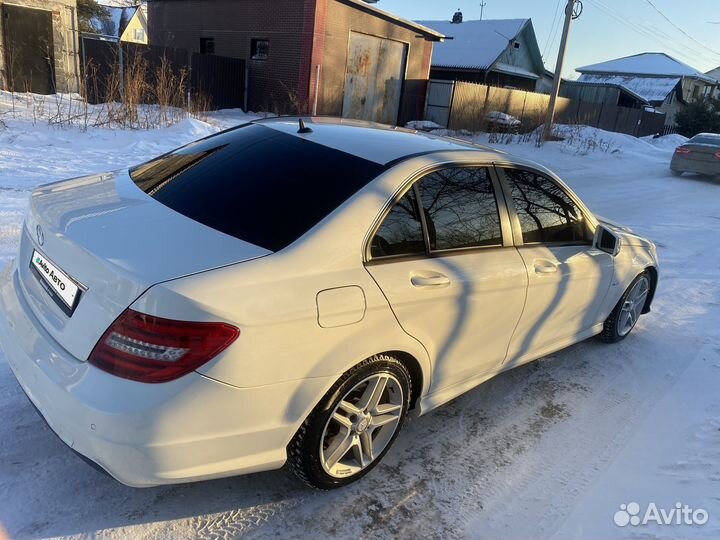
439, 99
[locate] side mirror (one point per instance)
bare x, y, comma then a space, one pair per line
606, 240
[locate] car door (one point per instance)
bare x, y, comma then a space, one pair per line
444, 259
568, 277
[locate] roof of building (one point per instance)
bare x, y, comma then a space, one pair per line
651, 89
116, 21
619, 86
646, 64
474, 44
434, 35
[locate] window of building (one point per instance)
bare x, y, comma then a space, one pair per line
516, 44
259, 49
401, 233
139, 34
460, 209
207, 45
547, 214
695, 91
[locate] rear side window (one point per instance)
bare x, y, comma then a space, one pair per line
255, 183
460, 209
705, 139
547, 214
401, 233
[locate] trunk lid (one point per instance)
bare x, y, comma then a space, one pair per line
115, 241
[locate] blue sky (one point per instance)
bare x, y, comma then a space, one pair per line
607, 28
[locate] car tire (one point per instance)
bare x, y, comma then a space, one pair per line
676, 173
627, 311
353, 426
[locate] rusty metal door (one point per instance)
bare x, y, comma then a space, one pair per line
29, 50
374, 78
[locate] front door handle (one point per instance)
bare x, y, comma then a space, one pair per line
543, 266
433, 280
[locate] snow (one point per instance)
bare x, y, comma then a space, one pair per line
423, 125
646, 64
548, 450
475, 44
652, 89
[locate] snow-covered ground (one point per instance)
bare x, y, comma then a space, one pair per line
549, 450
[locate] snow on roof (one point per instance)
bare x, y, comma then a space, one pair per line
659, 64
475, 44
652, 89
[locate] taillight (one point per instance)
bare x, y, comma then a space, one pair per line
683, 151
717, 155
151, 349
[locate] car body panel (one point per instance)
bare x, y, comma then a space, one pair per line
115, 242
150, 434
566, 287
237, 413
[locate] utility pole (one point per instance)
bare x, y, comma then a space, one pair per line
482, 9
573, 9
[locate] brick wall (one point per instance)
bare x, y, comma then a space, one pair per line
65, 41
273, 83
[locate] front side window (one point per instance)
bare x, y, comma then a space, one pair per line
460, 209
401, 233
547, 214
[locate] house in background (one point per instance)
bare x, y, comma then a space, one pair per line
329, 57
715, 74
39, 46
652, 79
501, 53
127, 24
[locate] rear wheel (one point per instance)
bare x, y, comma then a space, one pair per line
627, 311
676, 173
354, 425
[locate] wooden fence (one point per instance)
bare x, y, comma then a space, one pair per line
219, 79
462, 105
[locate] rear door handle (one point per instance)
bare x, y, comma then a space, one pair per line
543, 266
434, 280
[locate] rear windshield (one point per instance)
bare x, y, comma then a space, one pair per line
705, 139
255, 183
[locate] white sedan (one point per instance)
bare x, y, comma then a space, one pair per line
282, 293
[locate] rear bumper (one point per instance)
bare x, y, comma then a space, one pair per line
146, 434
682, 164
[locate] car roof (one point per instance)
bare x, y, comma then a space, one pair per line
379, 143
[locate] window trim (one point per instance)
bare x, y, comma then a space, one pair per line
412, 183
588, 217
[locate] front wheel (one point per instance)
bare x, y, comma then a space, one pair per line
354, 425
676, 173
627, 311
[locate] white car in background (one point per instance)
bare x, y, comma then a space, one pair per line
288, 293
503, 122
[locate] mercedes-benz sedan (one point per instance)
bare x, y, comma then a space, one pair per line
287, 293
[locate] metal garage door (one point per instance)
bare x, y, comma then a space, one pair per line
29, 52
374, 78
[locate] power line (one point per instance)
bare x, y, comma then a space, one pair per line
552, 29
677, 48
680, 29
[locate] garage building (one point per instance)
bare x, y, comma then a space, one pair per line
328, 57
38, 46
